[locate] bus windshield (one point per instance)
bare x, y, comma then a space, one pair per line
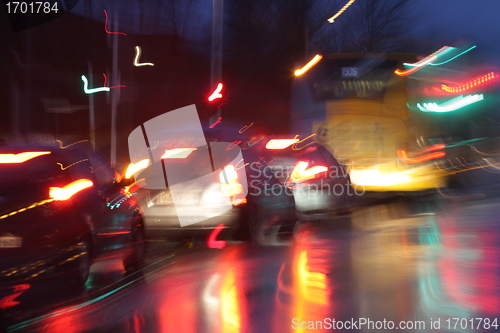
351, 78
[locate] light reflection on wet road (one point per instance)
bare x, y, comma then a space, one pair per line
403, 261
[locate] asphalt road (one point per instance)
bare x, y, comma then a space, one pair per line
402, 266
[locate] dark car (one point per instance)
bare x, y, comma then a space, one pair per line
320, 184
220, 189
60, 209
308, 172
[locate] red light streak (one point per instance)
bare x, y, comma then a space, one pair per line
403, 157
438, 146
106, 26
212, 242
217, 122
9, 301
110, 234
106, 80
216, 94
471, 84
233, 144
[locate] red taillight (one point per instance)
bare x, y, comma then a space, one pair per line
66, 192
217, 93
280, 143
301, 173
21, 157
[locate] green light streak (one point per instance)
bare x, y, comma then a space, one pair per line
451, 105
458, 55
93, 90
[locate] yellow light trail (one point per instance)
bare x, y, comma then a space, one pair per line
308, 66
332, 19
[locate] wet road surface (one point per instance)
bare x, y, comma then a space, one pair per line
404, 266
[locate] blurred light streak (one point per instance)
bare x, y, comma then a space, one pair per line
208, 294
461, 143
461, 161
332, 19
301, 173
433, 148
69, 166
51, 320
216, 94
137, 56
138, 321
404, 158
9, 300
453, 165
458, 55
217, 122
252, 142
233, 144
469, 268
106, 26
66, 192
309, 65
282, 286
294, 147
230, 311
237, 167
424, 62
134, 167
106, 80
21, 157
177, 153
212, 242
311, 284
244, 128
451, 105
376, 177
93, 90
433, 298
487, 160
480, 152
111, 234
43, 202
280, 143
471, 84
71, 144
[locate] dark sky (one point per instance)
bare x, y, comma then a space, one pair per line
449, 21
435, 21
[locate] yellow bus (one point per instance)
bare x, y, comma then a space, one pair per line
358, 108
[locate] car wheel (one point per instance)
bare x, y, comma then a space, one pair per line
136, 259
78, 267
266, 229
